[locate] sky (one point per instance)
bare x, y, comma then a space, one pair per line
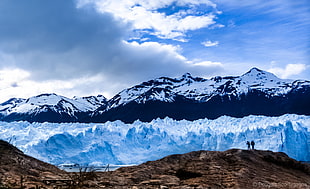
92, 47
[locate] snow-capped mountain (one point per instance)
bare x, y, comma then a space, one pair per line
93, 102
256, 92
202, 90
49, 107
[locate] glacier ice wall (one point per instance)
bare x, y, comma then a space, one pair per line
119, 143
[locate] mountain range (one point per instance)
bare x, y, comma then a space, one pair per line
256, 92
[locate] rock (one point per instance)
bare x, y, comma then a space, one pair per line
211, 169
199, 169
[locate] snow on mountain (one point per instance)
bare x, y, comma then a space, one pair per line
199, 89
93, 102
46, 103
13, 102
120, 143
256, 92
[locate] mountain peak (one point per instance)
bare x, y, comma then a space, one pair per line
47, 95
186, 75
255, 71
46, 98
12, 101
257, 74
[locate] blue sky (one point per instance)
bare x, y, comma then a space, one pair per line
90, 47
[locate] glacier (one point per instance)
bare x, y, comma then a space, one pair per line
119, 143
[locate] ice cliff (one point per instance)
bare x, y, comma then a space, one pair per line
120, 143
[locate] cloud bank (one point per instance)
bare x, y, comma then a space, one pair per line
289, 70
68, 46
90, 47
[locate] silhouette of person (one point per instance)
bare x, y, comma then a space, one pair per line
252, 144
249, 145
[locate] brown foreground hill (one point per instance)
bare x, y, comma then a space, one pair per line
213, 169
200, 169
18, 170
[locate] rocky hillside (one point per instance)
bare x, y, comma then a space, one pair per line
199, 169
18, 169
212, 169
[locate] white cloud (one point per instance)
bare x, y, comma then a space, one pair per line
159, 48
209, 64
145, 15
210, 43
10, 77
18, 83
289, 70
47, 56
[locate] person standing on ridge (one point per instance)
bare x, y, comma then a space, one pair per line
252, 144
249, 145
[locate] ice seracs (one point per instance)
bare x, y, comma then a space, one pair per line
120, 143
